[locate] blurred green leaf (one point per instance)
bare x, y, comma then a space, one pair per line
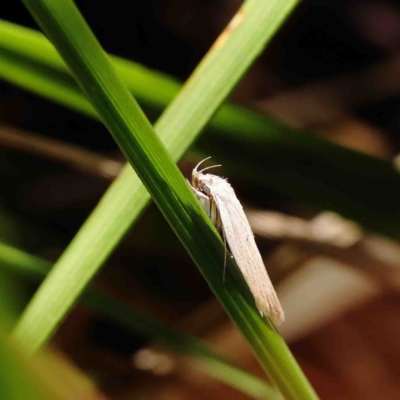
19, 377
19, 380
262, 151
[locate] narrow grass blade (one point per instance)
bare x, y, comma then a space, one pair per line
45, 82
151, 88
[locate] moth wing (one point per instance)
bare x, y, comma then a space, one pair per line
243, 247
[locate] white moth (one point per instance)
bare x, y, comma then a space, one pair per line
220, 203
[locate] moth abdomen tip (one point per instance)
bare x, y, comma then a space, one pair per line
277, 315
278, 319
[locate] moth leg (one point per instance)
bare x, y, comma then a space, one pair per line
225, 253
210, 206
214, 214
203, 200
216, 219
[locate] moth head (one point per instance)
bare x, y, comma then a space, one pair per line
198, 178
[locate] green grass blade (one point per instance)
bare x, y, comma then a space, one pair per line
151, 88
44, 82
35, 268
90, 65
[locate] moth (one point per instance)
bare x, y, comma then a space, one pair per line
220, 203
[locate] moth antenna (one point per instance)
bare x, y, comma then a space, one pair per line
225, 254
212, 166
201, 162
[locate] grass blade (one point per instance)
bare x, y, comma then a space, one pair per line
151, 88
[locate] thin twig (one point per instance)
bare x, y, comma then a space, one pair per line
73, 156
332, 236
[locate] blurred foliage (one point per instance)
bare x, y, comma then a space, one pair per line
22, 264
294, 163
